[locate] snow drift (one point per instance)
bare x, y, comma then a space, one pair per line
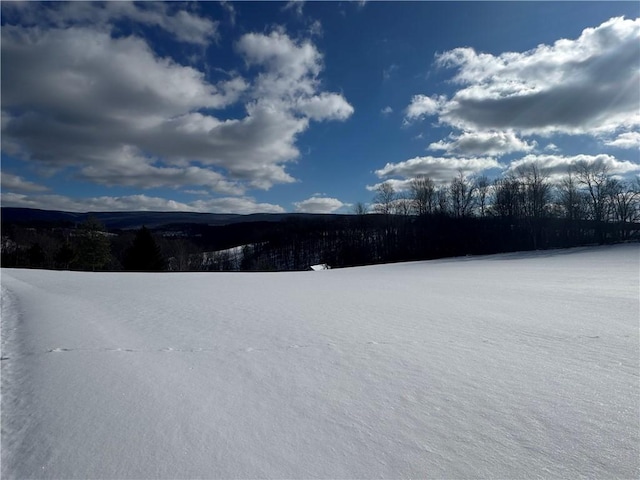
511, 366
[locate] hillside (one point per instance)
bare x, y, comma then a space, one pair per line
508, 366
286, 242
132, 220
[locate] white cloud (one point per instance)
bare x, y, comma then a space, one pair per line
584, 86
186, 26
551, 147
441, 169
240, 205
386, 111
315, 29
319, 205
48, 69
399, 186
230, 9
389, 71
296, 5
17, 183
291, 67
115, 112
422, 106
326, 106
290, 80
130, 169
558, 165
191, 28
627, 140
482, 143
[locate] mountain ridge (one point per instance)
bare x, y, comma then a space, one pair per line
126, 220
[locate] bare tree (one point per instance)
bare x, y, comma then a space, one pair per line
442, 201
360, 208
462, 196
624, 200
423, 194
482, 192
536, 190
384, 198
402, 205
571, 199
507, 201
595, 178
182, 255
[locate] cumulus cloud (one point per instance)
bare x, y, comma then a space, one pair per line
114, 112
290, 79
386, 111
588, 85
582, 86
48, 69
441, 169
281, 54
423, 106
399, 186
483, 143
184, 25
319, 205
132, 170
16, 183
627, 140
240, 205
326, 106
558, 165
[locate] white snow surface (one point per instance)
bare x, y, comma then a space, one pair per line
508, 366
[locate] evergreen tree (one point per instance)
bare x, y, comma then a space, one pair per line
93, 248
144, 255
36, 256
64, 256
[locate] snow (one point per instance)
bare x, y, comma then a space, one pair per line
521, 365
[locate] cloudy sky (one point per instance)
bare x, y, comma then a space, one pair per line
305, 106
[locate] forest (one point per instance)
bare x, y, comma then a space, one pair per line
527, 209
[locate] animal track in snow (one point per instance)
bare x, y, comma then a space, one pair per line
296, 346
293, 346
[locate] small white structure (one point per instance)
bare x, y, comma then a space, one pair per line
320, 266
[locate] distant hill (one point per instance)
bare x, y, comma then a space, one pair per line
113, 220
289, 241
134, 220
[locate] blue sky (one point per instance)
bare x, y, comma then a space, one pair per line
305, 106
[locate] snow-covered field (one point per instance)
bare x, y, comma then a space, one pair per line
508, 366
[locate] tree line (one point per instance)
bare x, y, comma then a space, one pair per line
588, 191
523, 210
87, 247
